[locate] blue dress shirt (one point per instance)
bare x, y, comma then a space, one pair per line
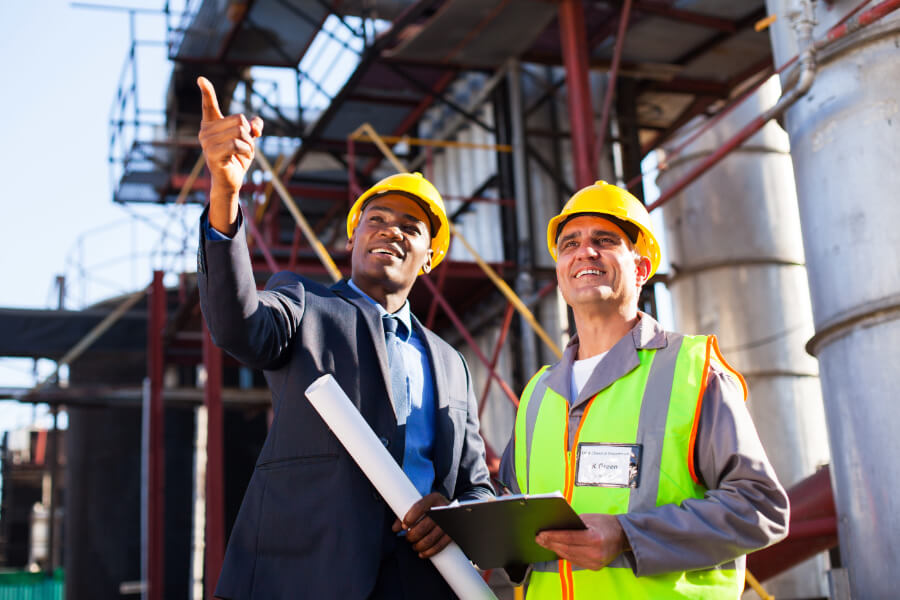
418, 456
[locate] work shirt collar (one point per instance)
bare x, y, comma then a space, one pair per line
622, 358
403, 314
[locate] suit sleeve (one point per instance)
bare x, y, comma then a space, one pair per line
744, 509
254, 327
507, 473
474, 479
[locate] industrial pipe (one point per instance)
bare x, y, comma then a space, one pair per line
813, 528
804, 25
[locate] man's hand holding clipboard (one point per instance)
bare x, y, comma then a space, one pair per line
502, 532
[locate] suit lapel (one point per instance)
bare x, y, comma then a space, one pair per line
438, 368
376, 329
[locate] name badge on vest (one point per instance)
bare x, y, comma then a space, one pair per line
608, 465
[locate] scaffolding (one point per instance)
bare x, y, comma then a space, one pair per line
423, 85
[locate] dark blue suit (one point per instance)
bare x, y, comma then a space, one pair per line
311, 525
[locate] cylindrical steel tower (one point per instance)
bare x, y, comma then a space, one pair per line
845, 141
734, 242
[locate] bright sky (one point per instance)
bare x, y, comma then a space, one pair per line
61, 67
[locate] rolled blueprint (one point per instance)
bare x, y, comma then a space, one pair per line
379, 466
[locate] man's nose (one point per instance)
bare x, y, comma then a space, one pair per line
586, 251
391, 231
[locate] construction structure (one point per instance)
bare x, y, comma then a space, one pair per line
509, 106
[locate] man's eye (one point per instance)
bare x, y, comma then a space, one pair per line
411, 230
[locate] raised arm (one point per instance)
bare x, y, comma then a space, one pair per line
228, 146
256, 328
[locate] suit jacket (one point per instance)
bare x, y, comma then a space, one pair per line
311, 524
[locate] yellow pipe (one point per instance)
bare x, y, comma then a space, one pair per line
384, 148
267, 197
394, 139
311, 237
92, 336
267, 194
757, 587
488, 270
508, 292
189, 182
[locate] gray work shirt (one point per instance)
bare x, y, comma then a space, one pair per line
745, 507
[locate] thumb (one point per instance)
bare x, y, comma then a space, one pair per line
256, 126
211, 110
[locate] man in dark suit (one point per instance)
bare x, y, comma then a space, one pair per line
311, 525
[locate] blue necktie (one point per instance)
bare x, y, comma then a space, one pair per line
399, 387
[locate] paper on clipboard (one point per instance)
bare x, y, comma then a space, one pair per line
500, 532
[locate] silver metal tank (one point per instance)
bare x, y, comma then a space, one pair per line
845, 140
733, 239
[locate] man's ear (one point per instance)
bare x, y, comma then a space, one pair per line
349, 246
642, 264
426, 268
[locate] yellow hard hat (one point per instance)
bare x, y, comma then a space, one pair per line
607, 200
420, 189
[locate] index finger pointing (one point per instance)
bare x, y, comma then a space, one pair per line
211, 110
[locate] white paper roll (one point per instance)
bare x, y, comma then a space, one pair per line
379, 466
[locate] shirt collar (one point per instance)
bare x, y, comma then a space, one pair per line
647, 334
622, 358
403, 314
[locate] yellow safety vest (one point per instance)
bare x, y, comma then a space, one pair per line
656, 406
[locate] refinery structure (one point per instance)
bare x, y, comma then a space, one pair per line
761, 134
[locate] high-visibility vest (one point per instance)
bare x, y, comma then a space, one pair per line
663, 394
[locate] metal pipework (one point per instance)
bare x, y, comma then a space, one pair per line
804, 25
738, 271
845, 151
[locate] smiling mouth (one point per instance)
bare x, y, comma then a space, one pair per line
386, 251
582, 273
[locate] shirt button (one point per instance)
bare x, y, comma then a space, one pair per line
385, 441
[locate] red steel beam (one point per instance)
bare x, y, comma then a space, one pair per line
664, 9
457, 322
156, 458
299, 190
581, 114
813, 528
441, 278
501, 339
845, 27
258, 239
613, 74
851, 23
412, 118
215, 464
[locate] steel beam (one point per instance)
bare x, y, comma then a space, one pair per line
156, 457
573, 41
457, 322
666, 10
613, 75
215, 464
501, 340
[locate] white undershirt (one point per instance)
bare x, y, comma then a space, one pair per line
581, 372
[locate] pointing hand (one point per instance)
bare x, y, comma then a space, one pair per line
227, 143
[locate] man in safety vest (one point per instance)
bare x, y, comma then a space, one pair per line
644, 431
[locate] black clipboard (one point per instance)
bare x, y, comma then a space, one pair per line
500, 532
